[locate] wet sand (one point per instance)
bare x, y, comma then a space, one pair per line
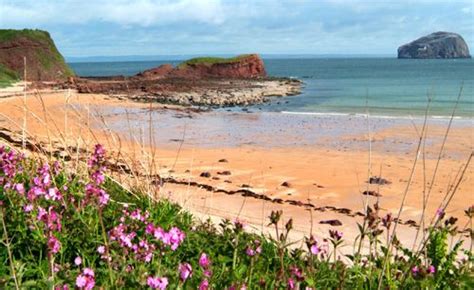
323, 159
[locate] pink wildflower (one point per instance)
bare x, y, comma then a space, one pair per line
204, 261
291, 283
176, 237
101, 250
28, 208
335, 234
250, 252
53, 244
86, 279
78, 261
431, 269
157, 282
53, 194
204, 285
315, 249
185, 271
415, 270
19, 188
440, 213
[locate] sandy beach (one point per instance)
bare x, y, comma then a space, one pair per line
240, 164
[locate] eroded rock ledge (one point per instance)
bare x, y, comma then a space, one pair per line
237, 81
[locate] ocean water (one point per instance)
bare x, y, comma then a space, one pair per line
382, 86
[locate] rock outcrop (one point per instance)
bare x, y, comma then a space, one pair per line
436, 45
242, 66
157, 72
43, 60
248, 66
211, 82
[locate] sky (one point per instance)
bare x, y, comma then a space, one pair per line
197, 27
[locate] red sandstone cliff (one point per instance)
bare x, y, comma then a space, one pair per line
249, 66
246, 66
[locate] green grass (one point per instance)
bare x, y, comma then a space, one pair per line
36, 34
7, 76
207, 60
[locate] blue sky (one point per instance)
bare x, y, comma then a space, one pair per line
198, 27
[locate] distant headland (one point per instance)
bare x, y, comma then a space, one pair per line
43, 60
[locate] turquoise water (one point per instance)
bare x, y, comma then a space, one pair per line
383, 86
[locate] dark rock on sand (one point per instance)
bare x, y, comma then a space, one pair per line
223, 160
371, 193
436, 45
206, 174
286, 184
225, 172
378, 180
332, 222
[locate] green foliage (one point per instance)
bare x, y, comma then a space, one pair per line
35, 34
438, 247
7, 76
212, 60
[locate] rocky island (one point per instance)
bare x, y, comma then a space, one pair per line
206, 81
436, 45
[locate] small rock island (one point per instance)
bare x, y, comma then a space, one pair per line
205, 81
436, 45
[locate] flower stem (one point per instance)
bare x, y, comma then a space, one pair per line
10, 256
104, 235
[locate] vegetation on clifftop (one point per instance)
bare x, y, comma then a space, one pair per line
212, 60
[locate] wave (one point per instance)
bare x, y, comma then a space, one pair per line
362, 115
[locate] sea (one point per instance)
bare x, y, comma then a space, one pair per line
379, 86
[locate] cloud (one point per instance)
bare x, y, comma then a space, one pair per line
139, 12
107, 27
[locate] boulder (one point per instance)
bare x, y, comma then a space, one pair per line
436, 45
43, 60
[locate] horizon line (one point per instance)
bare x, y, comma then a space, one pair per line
185, 56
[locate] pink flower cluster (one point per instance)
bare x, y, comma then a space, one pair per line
185, 271
296, 275
253, 249
205, 264
126, 235
9, 165
97, 177
86, 279
173, 238
157, 282
43, 192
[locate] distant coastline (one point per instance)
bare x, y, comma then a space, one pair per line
181, 57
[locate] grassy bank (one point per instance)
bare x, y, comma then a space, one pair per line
67, 226
7, 76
